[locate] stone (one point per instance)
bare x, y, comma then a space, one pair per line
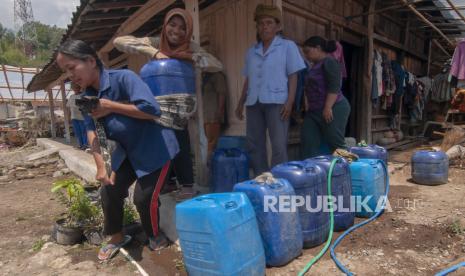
60, 262
19, 169
65, 171
4, 178
28, 176
57, 174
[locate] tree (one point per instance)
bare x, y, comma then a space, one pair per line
48, 38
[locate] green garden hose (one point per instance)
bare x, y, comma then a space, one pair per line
331, 224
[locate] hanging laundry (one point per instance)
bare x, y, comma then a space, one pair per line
427, 84
458, 61
441, 90
377, 77
400, 77
339, 56
389, 81
420, 102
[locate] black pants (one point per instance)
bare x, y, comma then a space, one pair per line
146, 198
182, 162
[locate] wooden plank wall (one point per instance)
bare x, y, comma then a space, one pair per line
227, 30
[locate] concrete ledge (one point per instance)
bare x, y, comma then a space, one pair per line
78, 161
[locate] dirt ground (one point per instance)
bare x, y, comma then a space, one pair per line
423, 234
28, 210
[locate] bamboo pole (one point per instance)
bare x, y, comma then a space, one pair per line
196, 126
7, 81
52, 114
456, 10
424, 19
366, 131
429, 58
65, 113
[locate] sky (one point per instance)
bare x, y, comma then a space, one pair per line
51, 12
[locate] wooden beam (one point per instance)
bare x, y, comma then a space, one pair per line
37, 72
52, 114
137, 19
65, 113
393, 7
117, 5
397, 45
196, 126
428, 68
7, 82
366, 124
422, 17
441, 48
315, 12
100, 25
456, 10
83, 35
22, 81
104, 16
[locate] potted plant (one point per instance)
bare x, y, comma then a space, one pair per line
81, 213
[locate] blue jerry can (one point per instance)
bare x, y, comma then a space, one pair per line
371, 152
341, 189
430, 167
309, 181
219, 235
228, 167
280, 229
368, 185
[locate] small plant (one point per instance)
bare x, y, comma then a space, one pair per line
37, 246
130, 215
456, 228
81, 212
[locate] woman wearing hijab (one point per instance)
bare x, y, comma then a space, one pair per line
327, 110
175, 42
126, 107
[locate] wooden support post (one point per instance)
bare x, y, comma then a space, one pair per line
196, 126
7, 81
407, 33
65, 113
429, 59
52, 114
22, 81
366, 111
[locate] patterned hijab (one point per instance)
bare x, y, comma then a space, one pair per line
182, 51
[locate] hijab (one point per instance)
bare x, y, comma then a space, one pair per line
182, 51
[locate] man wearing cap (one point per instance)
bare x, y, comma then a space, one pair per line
271, 67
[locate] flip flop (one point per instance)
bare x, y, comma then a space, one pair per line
159, 242
109, 250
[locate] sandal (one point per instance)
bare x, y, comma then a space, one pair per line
159, 242
109, 250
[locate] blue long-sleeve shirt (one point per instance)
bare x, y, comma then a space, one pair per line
147, 145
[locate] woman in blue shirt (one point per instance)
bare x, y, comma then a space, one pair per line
270, 70
144, 149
